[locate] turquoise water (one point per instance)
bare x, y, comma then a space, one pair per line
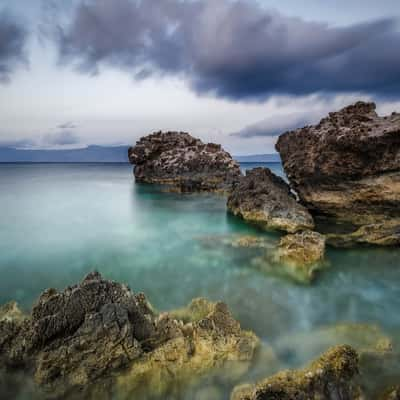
59, 222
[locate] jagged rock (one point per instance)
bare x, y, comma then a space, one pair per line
348, 166
298, 256
265, 199
178, 159
210, 340
78, 340
331, 377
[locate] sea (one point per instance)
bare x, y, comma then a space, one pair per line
60, 221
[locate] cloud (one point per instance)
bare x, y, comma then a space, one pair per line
289, 113
18, 143
274, 125
234, 49
67, 125
13, 37
61, 138
62, 135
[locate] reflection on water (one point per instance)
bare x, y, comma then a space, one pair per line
60, 221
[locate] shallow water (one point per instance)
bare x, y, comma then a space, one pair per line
59, 222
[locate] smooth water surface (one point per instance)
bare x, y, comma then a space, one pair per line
59, 222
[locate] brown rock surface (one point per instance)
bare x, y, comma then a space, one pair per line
178, 159
348, 166
330, 377
265, 199
298, 256
80, 339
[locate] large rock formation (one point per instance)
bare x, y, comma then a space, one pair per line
178, 159
330, 377
265, 199
348, 167
77, 339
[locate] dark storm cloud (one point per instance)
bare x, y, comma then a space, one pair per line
234, 49
12, 42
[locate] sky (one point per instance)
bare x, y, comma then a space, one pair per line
235, 72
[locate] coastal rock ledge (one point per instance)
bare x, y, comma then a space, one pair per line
348, 167
97, 338
186, 163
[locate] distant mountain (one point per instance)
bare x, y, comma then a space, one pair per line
106, 154
254, 158
94, 153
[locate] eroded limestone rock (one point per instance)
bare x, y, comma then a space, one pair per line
348, 167
80, 339
208, 340
186, 163
298, 256
330, 377
265, 200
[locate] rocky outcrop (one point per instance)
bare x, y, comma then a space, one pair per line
331, 377
77, 339
186, 163
208, 339
298, 256
265, 199
301, 254
348, 167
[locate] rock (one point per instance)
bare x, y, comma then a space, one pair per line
10, 312
331, 377
385, 233
212, 340
298, 256
303, 250
348, 166
80, 339
186, 163
265, 199
299, 347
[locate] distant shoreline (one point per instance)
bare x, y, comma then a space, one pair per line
108, 162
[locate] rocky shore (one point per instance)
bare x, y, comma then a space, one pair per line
347, 168
98, 337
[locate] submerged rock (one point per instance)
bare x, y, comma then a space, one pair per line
80, 338
10, 312
299, 347
265, 199
210, 340
330, 377
298, 256
186, 163
385, 233
348, 166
